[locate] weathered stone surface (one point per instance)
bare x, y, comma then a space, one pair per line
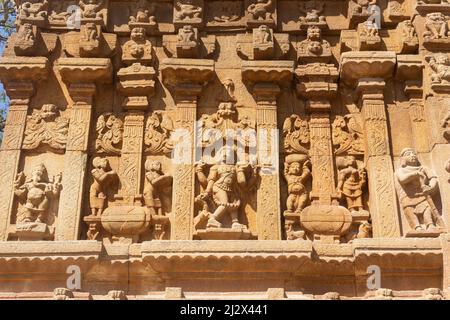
205, 149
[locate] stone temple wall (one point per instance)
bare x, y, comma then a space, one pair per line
242, 148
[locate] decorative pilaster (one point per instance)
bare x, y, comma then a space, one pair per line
185, 78
366, 71
19, 76
80, 76
266, 77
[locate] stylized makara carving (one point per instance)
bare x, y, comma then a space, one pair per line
138, 48
109, 134
261, 10
104, 177
407, 37
35, 195
348, 136
46, 127
297, 172
416, 185
440, 72
158, 129
296, 135
314, 48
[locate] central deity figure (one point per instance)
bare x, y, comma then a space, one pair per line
223, 186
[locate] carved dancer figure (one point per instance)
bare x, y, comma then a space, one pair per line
297, 172
351, 182
33, 10
26, 33
103, 176
415, 185
223, 185
159, 187
187, 10
90, 9
436, 24
36, 194
261, 10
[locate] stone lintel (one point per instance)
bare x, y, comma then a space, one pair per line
85, 70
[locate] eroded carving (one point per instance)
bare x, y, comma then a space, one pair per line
104, 177
312, 11
46, 127
90, 9
188, 11
158, 190
296, 135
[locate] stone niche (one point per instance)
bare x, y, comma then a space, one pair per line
280, 139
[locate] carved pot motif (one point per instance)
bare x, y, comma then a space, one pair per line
126, 220
326, 220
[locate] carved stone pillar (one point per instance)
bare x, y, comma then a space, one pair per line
185, 78
366, 71
80, 76
19, 75
265, 78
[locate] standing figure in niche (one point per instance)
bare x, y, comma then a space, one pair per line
297, 172
415, 186
351, 182
159, 187
103, 176
36, 193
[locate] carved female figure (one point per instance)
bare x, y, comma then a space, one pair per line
415, 186
37, 193
351, 181
103, 176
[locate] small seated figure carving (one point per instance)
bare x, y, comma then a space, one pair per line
36, 194
159, 187
297, 174
33, 10
144, 12
314, 38
104, 177
90, 32
436, 25
440, 64
351, 182
312, 11
90, 9
407, 29
26, 33
415, 186
187, 10
446, 126
25, 43
186, 36
361, 7
264, 36
261, 10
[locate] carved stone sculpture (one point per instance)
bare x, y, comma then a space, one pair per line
368, 37
46, 127
297, 172
314, 48
144, 12
187, 42
407, 37
312, 11
351, 181
348, 137
138, 48
26, 41
109, 134
35, 195
91, 9
260, 12
436, 26
158, 190
416, 185
158, 130
445, 124
103, 177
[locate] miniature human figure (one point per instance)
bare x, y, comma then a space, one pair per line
446, 126
408, 30
187, 9
186, 36
263, 35
436, 24
297, 174
415, 185
312, 11
90, 9
33, 10
351, 182
159, 186
362, 6
26, 33
368, 30
103, 176
36, 193
90, 32
223, 186
440, 64
144, 12
260, 10
314, 38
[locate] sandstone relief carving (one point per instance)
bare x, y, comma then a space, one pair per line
90, 9
46, 127
348, 136
440, 72
311, 13
103, 177
36, 194
416, 185
445, 124
188, 12
260, 12
158, 130
109, 134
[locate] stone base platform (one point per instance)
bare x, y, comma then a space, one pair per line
238, 269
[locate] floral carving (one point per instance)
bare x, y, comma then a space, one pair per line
109, 134
348, 137
436, 26
46, 127
33, 10
144, 12
296, 135
158, 130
